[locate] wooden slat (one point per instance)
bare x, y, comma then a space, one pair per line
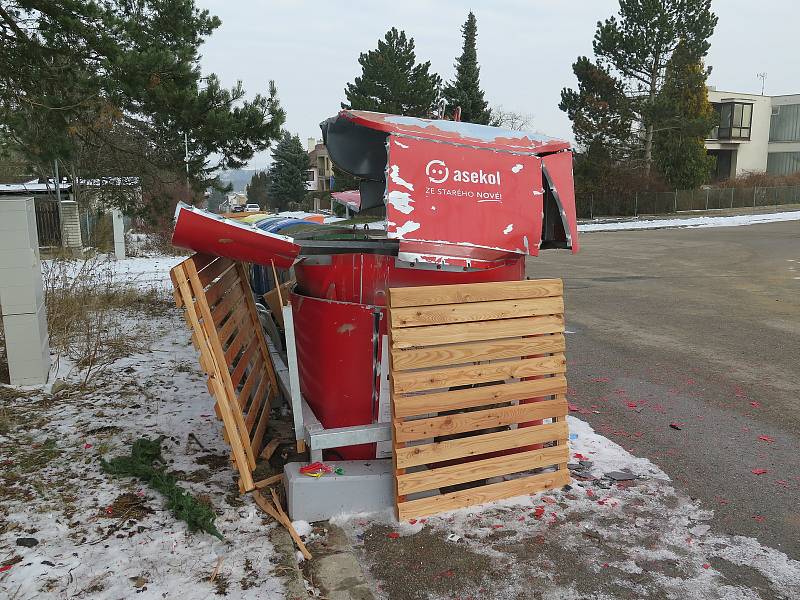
222, 366
420, 429
235, 320
213, 270
454, 354
412, 456
201, 261
261, 428
223, 309
241, 365
244, 337
252, 378
239, 450
431, 335
417, 316
417, 381
269, 450
474, 292
225, 285
407, 406
431, 479
482, 494
257, 403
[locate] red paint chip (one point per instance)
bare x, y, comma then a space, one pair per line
706, 566
4, 568
758, 471
766, 438
394, 535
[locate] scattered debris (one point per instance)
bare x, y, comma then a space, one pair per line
678, 426
27, 542
620, 476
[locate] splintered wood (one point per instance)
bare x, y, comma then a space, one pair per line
219, 308
478, 393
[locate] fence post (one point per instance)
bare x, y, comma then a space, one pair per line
755, 189
636, 205
706, 198
591, 206
675, 202
731, 197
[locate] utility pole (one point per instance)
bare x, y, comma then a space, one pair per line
186, 162
763, 77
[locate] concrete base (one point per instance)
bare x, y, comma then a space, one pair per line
366, 486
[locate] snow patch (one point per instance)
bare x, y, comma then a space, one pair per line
694, 222
303, 528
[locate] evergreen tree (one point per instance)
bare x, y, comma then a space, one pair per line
288, 173
257, 189
634, 49
465, 90
686, 116
110, 88
392, 82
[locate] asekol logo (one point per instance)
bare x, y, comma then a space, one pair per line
437, 172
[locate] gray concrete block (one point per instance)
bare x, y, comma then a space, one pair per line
28, 347
365, 486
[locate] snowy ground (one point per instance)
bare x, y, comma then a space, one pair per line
597, 540
95, 536
102, 537
705, 221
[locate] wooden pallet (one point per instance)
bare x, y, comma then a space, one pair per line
219, 308
478, 392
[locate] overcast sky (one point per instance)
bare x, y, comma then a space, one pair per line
525, 49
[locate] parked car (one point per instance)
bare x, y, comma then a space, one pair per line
237, 208
252, 208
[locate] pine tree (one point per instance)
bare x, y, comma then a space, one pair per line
257, 189
288, 173
465, 90
633, 49
392, 82
686, 116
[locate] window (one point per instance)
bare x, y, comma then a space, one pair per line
735, 119
785, 123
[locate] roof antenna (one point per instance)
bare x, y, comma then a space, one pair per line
763, 77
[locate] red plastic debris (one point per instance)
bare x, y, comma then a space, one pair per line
755, 404
448, 573
316, 469
538, 512
87, 446
706, 566
580, 456
573, 407
632, 405
759, 518
394, 535
605, 565
590, 493
766, 438
412, 521
497, 526
758, 471
4, 568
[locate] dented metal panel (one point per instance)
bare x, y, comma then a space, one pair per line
466, 206
456, 132
205, 232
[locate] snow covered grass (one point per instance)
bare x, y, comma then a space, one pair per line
728, 221
597, 539
68, 529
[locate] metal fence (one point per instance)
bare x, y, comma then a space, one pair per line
48, 222
590, 206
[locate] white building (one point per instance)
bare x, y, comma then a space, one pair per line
756, 134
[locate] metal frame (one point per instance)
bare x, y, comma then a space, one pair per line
308, 430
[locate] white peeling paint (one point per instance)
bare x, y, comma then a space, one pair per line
508, 229
401, 202
407, 227
489, 200
526, 244
433, 208
516, 168
401, 144
394, 175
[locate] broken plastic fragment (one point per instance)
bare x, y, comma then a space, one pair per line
766, 438
758, 471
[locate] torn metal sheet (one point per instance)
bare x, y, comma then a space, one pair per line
465, 204
206, 232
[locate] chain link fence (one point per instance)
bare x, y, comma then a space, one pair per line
590, 206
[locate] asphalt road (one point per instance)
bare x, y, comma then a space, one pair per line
699, 328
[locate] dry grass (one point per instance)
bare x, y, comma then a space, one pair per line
90, 313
